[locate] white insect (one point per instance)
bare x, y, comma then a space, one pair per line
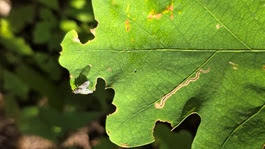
82, 89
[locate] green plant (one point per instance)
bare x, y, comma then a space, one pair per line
167, 59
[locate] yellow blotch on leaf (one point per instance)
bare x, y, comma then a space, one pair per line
155, 15
113, 2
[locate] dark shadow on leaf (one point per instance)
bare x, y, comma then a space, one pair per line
83, 76
255, 88
192, 105
192, 120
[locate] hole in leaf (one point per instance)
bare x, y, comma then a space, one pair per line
191, 124
104, 96
165, 138
85, 22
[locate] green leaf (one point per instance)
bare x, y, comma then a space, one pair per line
78, 4
170, 58
67, 25
53, 4
21, 16
48, 64
14, 84
11, 42
47, 15
42, 32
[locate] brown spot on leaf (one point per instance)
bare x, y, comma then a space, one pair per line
172, 16
218, 26
168, 10
124, 145
171, 8
263, 67
154, 16
127, 25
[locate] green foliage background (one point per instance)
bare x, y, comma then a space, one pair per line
35, 88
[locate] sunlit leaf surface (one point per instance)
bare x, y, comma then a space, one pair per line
166, 59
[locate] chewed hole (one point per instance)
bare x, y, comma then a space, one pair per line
191, 124
83, 23
164, 135
105, 96
87, 35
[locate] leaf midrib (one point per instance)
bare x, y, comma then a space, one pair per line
180, 50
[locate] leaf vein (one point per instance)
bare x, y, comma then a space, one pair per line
245, 121
233, 34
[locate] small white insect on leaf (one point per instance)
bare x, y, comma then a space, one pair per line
82, 89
